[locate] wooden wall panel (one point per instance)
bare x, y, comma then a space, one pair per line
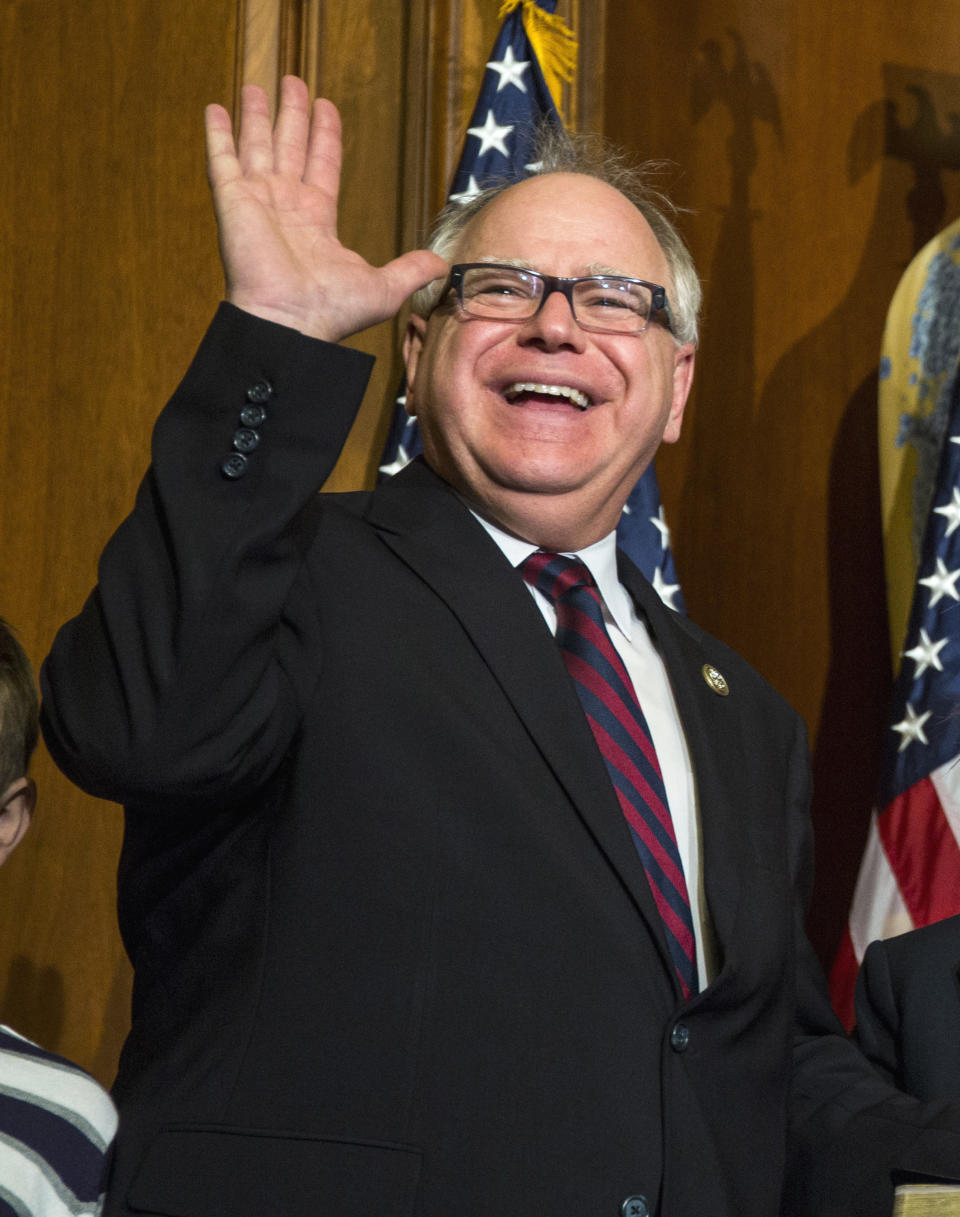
108, 272
819, 150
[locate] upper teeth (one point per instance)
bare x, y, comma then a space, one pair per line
528, 386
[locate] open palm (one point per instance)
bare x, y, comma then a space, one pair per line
275, 193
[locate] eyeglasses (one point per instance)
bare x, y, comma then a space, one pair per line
609, 304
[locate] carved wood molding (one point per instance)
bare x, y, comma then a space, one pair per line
275, 37
445, 47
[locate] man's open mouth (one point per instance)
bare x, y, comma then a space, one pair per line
530, 388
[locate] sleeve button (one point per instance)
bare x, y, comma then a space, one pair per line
252, 415
245, 440
234, 466
260, 391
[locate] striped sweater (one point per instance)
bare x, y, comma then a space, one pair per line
56, 1128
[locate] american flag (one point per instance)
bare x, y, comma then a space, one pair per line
910, 873
514, 98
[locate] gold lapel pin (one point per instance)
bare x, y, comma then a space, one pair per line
716, 680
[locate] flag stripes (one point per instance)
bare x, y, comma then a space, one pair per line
910, 872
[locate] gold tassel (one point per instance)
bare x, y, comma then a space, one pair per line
554, 45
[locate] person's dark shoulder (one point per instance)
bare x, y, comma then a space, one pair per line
934, 945
906, 1005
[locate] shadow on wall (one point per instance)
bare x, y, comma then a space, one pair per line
912, 137
914, 128
34, 1002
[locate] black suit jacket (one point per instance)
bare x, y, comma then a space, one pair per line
394, 950
908, 1009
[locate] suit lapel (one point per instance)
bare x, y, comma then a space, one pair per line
430, 530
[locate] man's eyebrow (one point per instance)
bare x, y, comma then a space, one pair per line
594, 268
519, 263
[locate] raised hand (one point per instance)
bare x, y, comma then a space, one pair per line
275, 196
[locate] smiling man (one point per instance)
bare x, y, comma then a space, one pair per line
544, 421
460, 875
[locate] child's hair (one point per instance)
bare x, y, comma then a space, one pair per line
19, 709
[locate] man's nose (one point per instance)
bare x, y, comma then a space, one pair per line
554, 324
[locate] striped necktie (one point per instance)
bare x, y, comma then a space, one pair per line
620, 729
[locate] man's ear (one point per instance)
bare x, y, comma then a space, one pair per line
16, 808
684, 358
413, 341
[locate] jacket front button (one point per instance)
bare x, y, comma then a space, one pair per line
680, 1037
635, 1206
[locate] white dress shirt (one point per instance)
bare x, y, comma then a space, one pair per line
629, 634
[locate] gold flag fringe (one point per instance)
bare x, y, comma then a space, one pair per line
554, 44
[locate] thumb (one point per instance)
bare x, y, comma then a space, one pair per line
404, 275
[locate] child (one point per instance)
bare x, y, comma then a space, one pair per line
56, 1122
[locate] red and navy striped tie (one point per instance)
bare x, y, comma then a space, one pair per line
613, 711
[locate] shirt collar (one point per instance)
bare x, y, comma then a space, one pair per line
600, 559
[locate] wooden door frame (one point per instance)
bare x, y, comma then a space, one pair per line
276, 37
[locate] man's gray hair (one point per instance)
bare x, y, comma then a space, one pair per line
557, 151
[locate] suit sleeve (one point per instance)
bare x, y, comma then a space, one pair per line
184, 675
851, 1133
877, 1028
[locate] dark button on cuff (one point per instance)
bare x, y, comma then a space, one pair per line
252, 415
635, 1206
260, 391
680, 1037
235, 466
245, 440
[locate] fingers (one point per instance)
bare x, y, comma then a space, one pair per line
255, 144
221, 153
290, 133
303, 145
325, 149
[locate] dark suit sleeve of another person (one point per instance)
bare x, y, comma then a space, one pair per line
854, 1132
878, 1017
908, 1009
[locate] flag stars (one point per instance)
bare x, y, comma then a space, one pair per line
471, 192
511, 70
941, 583
951, 512
491, 135
926, 654
910, 727
397, 463
660, 524
666, 591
